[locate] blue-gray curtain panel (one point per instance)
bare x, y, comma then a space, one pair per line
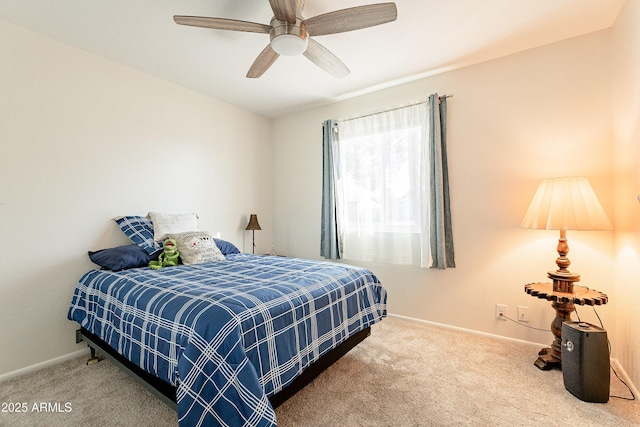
329, 235
441, 234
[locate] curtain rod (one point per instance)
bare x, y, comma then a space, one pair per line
440, 98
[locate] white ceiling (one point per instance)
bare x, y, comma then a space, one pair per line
429, 36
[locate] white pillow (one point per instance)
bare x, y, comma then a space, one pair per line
196, 247
165, 224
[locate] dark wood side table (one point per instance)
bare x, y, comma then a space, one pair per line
563, 303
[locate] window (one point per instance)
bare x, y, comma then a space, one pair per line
380, 176
385, 191
381, 181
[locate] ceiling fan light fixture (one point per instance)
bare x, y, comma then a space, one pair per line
289, 45
288, 39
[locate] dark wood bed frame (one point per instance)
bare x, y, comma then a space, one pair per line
167, 393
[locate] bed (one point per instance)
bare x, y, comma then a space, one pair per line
231, 334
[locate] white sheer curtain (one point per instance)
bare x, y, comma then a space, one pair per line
383, 186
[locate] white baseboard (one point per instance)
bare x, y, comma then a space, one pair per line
615, 363
471, 331
45, 364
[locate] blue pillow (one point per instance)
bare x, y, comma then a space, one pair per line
121, 257
226, 247
139, 229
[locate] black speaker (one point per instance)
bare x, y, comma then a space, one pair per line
585, 361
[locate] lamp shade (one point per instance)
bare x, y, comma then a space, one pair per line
565, 204
253, 223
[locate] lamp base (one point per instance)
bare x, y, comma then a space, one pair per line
253, 246
563, 280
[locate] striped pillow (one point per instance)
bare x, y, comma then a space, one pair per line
139, 229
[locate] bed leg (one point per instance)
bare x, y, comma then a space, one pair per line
93, 359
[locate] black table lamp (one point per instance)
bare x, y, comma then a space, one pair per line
253, 226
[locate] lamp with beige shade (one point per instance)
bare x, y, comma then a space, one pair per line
564, 204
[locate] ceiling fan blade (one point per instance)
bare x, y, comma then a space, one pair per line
284, 10
353, 18
262, 63
222, 24
323, 58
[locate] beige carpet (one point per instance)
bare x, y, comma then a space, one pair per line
405, 374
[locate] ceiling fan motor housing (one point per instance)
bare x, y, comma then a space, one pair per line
289, 39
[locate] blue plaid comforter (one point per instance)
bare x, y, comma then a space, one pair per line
229, 333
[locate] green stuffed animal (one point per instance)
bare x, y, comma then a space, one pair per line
168, 257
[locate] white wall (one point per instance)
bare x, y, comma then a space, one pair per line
626, 125
512, 122
83, 140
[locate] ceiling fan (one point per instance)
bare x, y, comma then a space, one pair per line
291, 34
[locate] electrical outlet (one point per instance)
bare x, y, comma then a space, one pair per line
523, 313
501, 311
